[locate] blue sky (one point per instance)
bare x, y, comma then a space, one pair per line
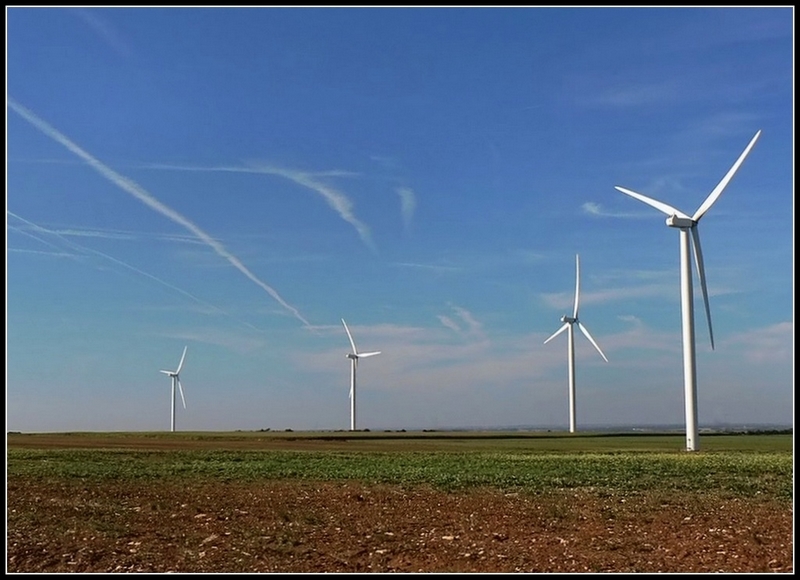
239, 180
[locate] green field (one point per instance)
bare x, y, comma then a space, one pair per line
736, 464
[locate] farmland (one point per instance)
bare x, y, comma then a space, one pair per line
398, 501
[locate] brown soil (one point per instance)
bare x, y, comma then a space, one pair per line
301, 526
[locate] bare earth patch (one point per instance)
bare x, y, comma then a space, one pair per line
302, 526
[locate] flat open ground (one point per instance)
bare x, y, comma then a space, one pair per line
370, 502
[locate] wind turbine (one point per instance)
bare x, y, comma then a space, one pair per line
569, 321
354, 356
688, 225
176, 380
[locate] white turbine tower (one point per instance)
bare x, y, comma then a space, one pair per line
354, 356
688, 225
176, 381
569, 321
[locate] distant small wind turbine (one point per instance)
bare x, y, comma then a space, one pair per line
568, 325
176, 381
687, 225
354, 356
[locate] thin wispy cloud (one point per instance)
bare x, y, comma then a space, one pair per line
403, 348
475, 261
408, 203
771, 344
734, 27
596, 209
390, 171
434, 267
632, 277
721, 128
142, 195
706, 82
214, 336
416, 359
335, 198
386, 162
84, 249
636, 96
639, 337
469, 325
379, 331
632, 320
334, 173
448, 323
525, 256
473, 326
110, 35
565, 300
625, 284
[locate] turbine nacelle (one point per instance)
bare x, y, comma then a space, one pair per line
676, 221
568, 319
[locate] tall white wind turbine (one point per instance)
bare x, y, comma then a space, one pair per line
176, 381
688, 225
354, 356
569, 321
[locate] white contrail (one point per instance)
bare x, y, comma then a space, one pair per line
80, 248
139, 193
336, 199
104, 29
60, 252
40, 252
125, 235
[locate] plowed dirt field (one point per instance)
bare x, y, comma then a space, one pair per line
209, 525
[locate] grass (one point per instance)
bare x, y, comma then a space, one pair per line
748, 465
405, 441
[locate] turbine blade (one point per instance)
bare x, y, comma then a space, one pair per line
577, 285
661, 206
166, 372
712, 197
180, 388
183, 356
701, 273
585, 332
350, 336
557, 332
365, 354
